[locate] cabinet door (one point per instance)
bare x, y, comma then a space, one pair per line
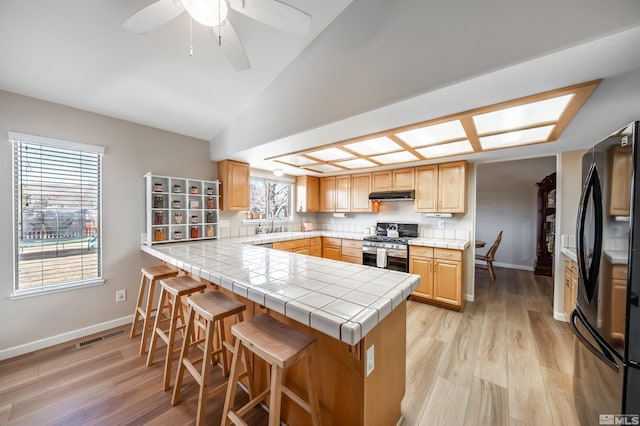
621, 181
234, 179
360, 190
307, 194
381, 181
447, 281
423, 266
618, 301
332, 252
327, 194
343, 193
302, 250
403, 179
427, 188
452, 187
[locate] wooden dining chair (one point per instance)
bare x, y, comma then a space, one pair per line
489, 256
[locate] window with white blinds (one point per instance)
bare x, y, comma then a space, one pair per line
57, 203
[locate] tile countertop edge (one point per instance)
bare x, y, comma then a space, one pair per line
570, 252
288, 236
397, 293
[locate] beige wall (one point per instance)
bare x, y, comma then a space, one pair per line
568, 190
130, 151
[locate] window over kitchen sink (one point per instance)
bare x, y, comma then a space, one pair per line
269, 200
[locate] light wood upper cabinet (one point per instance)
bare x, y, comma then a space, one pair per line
427, 188
234, 185
621, 181
307, 194
343, 193
442, 188
394, 180
360, 190
452, 187
335, 194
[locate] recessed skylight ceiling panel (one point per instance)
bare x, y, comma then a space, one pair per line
374, 146
446, 149
324, 168
295, 160
330, 154
358, 163
430, 135
520, 137
548, 110
395, 157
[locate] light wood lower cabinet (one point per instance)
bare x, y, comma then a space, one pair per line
351, 251
440, 273
332, 248
618, 301
570, 285
306, 246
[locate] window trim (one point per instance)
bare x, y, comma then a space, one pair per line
268, 179
16, 137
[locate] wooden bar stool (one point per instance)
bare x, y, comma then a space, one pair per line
150, 274
212, 307
171, 294
280, 346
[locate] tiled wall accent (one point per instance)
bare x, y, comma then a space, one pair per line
248, 230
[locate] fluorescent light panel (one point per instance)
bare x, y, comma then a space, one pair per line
522, 115
296, 160
446, 149
330, 154
324, 168
395, 157
430, 135
358, 163
520, 137
374, 146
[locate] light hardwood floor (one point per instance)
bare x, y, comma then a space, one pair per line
503, 361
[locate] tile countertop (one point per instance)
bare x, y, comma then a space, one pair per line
285, 236
615, 257
342, 300
440, 243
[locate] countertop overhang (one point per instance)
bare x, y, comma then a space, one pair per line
342, 300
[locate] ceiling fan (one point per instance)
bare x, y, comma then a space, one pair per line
213, 13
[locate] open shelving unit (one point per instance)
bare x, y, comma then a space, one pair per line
180, 209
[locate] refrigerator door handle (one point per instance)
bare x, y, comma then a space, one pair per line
591, 190
603, 354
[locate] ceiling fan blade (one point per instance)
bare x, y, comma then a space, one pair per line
274, 13
232, 46
156, 14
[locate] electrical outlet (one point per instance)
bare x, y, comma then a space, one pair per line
121, 296
370, 362
441, 224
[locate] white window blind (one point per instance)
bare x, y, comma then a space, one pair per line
57, 203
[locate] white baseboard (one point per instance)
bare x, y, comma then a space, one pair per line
469, 297
62, 338
560, 316
508, 265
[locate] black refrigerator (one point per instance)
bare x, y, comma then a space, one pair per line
607, 316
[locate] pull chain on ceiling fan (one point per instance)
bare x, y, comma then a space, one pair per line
214, 14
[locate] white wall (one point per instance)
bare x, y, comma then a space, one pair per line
506, 200
131, 150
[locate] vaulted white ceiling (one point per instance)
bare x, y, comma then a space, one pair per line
368, 65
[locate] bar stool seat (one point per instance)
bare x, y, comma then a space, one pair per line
150, 274
171, 294
212, 307
280, 346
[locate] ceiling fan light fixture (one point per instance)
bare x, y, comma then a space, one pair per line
207, 12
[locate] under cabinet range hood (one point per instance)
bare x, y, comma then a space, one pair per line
393, 195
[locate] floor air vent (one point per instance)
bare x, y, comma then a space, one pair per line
99, 339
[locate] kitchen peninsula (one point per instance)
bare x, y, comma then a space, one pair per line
357, 313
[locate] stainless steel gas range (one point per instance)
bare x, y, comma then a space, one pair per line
389, 248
